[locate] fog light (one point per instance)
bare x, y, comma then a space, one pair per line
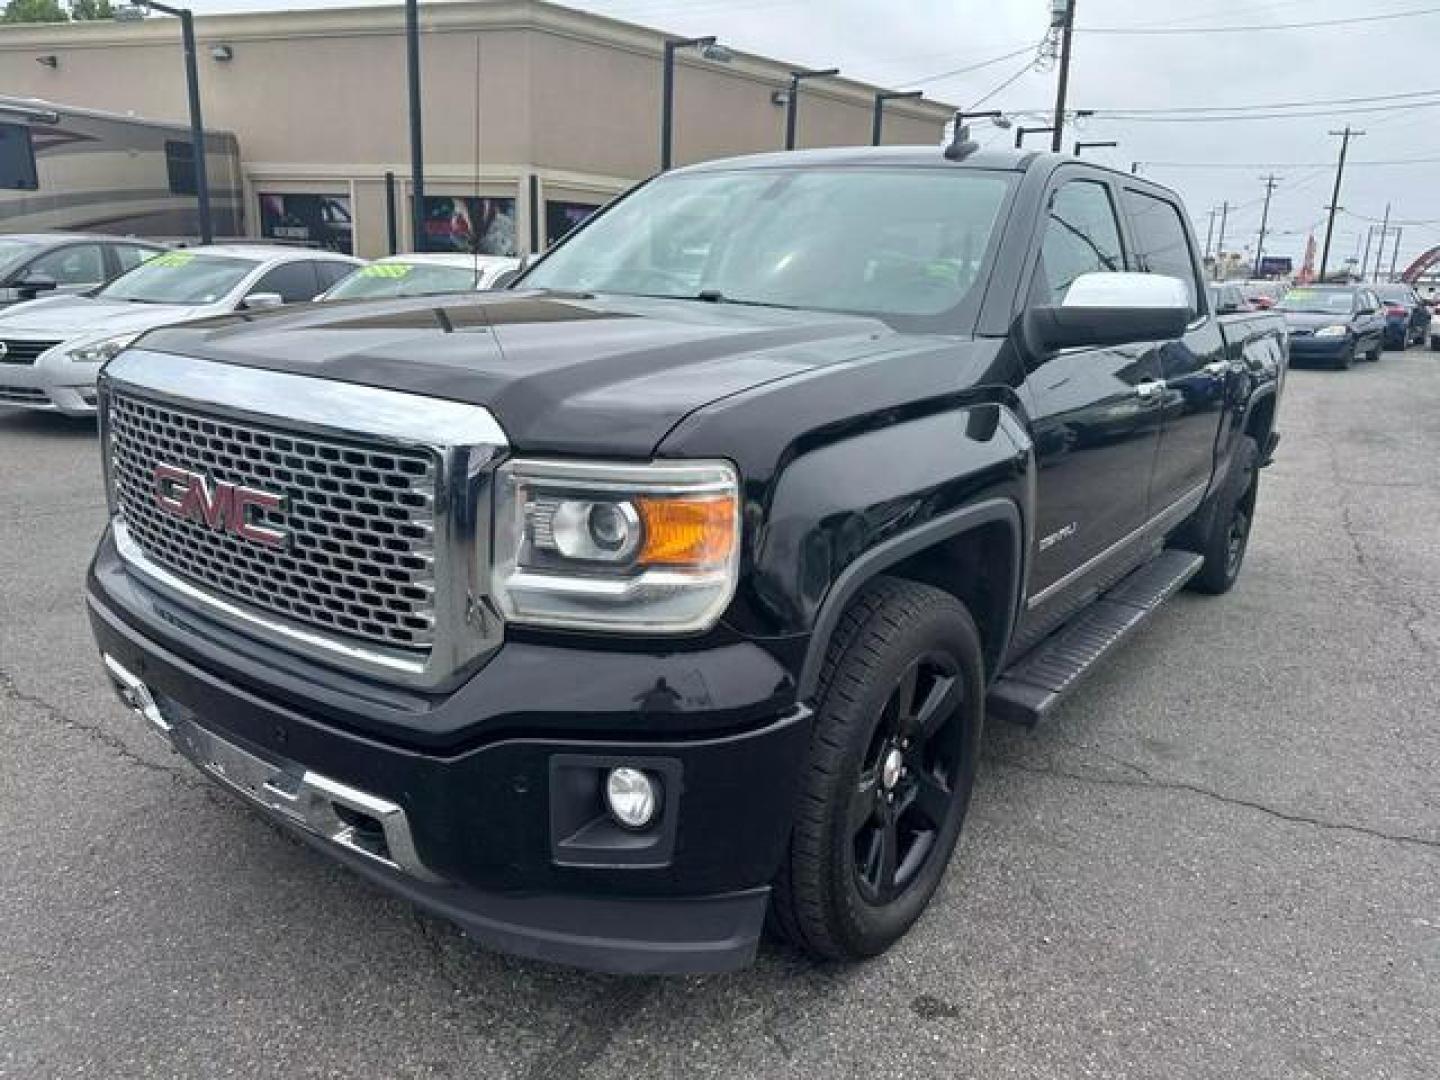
632, 796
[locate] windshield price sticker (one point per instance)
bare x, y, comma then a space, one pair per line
385, 270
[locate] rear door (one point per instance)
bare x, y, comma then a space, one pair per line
75, 268
1095, 418
1193, 368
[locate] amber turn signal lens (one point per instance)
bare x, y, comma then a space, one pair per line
687, 532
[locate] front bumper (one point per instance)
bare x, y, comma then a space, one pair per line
1309, 347
498, 834
53, 383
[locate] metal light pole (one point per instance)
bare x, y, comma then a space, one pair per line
1395, 252
1065, 20
1347, 134
1365, 259
1384, 234
1079, 146
879, 114
1210, 232
192, 88
709, 49
417, 139
1021, 132
793, 101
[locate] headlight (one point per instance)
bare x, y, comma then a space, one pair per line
635, 548
98, 352
1332, 331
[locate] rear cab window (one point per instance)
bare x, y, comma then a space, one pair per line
17, 159
1162, 243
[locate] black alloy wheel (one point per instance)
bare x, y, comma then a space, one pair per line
906, 787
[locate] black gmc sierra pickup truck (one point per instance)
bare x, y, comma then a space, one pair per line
664, 593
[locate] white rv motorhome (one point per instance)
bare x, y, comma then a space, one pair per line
84, 170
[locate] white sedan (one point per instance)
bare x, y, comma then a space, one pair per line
422, 275
52, 349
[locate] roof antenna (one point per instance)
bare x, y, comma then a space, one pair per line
961, 146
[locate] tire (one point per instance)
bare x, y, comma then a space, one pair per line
1435, 344
871, 840
1374, 354
1226, 530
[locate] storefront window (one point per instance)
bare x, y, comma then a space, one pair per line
484, 226
320, 220
561, 217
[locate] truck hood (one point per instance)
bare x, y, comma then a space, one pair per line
66, 317
563, 373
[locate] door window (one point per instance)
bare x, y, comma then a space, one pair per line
1162, 245
331, 272
1082, 236
17, 158
129, 256
294, 281
78, 264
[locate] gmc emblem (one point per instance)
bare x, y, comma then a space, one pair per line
218, 505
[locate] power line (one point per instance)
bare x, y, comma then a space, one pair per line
1313, 103
1239, 117
966, 69
1280, 164
1030, 64
1253, 28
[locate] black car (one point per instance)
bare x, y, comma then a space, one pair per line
1333, 324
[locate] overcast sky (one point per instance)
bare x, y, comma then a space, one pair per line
897, 42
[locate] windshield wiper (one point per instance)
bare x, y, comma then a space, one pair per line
715, 296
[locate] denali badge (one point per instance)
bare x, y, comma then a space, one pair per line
221, 506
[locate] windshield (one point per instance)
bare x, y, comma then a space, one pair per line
14, 251
864, 240
179, 277
1321, 302
404, 279
1393, 294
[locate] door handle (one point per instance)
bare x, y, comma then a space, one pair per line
1148, 391
1219, 369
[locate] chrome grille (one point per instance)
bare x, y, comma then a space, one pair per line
360, 557
23, 352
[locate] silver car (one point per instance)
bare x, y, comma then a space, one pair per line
52, 349
44, 264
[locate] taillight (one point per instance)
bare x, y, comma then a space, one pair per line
1396, 309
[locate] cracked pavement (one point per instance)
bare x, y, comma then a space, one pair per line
1222, 858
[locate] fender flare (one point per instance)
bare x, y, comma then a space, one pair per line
897, 549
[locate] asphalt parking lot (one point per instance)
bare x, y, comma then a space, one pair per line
1221, 859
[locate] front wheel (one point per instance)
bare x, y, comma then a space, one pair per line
1374, 354
892, 763
1347, 359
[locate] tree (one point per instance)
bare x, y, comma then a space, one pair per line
34, 11
90, 10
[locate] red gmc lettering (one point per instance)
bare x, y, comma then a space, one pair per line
220, 506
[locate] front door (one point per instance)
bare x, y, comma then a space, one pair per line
1095, 412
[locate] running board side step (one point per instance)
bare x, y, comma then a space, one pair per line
1033, 688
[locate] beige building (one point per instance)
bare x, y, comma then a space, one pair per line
533, 113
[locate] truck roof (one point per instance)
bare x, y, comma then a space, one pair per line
1001, 158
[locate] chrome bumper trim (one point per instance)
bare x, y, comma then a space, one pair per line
285, 789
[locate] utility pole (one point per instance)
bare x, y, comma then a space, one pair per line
1365, 259
1395, 253
1384, 233
1347, 135
1066, 25
1220, 244
1270, 182
1210, 231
